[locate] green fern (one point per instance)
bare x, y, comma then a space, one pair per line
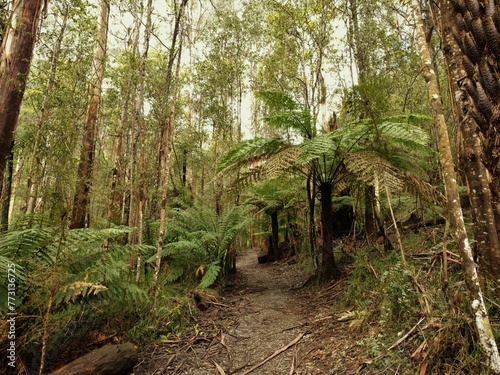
199, 236
211, 273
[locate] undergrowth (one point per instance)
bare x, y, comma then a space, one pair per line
86, 278
406, 316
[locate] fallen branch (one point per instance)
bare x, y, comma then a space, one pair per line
220, 369
407, 334
276, 353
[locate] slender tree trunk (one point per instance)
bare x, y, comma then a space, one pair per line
15, 59
167, 139
6, 193
142, 177
455, 210
33, 183
82, 195
115, 203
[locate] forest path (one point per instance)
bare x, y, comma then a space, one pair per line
263, 312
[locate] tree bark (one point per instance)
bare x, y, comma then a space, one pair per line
483, 326
84, 180
471, 155
15, 60
474, 83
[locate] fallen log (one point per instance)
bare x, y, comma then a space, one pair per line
108, 360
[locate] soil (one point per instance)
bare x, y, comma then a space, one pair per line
267, 311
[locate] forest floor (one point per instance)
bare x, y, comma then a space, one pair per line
267, 310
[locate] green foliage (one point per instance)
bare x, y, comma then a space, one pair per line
211, 273
285, 113
74, 261
198, 238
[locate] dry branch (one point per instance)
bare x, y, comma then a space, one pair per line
276, 353
407, 334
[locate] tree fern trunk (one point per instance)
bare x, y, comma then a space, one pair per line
483, 326
472, 26
328, 265
471, 158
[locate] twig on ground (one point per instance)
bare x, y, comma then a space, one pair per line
338, 282
407, 334
276, 353
220, 369
294, 361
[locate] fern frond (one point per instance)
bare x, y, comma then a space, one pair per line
18, 244
211, 273
281, 162
249, 153
370, 168
173, 274
78, 289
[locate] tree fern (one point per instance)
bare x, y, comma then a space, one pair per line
199, 237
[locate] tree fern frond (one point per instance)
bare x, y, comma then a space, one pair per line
412, 118
249, 153
423, 189
281, 161
78, 289
370, 168
405, 134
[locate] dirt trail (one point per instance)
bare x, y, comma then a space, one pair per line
265, 311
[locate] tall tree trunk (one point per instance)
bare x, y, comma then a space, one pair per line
142, 176
84, 180
472, 156
33, 182
455, 210
167, 139
15, 59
